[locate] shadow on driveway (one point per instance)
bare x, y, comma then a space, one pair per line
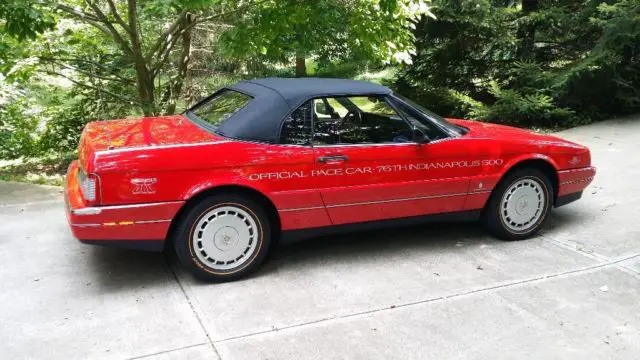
116, 270
391, 242
119, 269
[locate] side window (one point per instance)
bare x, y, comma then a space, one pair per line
328, 109
358, 120
418, 121
296, 128
220, 107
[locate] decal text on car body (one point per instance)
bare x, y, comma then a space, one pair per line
286, 175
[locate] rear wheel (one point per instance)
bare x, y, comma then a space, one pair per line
519, 205
223, 238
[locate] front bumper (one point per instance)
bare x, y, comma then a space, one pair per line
141, 226
571, 184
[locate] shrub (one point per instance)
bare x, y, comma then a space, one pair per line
18, 131
534, 109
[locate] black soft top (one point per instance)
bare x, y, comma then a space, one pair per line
274, 98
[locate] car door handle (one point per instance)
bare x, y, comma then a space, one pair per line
325, 159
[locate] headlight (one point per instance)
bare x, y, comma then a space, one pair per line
87, 185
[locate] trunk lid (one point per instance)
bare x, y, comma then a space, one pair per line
138, 133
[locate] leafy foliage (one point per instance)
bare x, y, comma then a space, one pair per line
16, 131
19, 20
540, 63
330, 30
613, 65
525, 109
23, 19
529, 63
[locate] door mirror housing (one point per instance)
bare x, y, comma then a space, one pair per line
420, 137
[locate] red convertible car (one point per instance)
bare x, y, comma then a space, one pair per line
268, 158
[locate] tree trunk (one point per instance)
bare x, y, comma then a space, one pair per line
146, 87
301, 65
144, 77
174, 90
527, 32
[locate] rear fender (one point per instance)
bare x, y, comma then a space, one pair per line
207, 185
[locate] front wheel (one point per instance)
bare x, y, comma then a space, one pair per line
223, 238
519, 205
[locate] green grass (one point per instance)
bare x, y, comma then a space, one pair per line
379, 77
44, 171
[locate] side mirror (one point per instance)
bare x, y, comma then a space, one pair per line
420, 137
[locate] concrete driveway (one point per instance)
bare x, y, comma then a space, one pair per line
440, 291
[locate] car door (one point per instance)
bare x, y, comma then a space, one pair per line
291, 164
370, 167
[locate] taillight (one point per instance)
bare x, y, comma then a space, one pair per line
88, 186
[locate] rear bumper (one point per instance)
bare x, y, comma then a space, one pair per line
140, 226
572, 183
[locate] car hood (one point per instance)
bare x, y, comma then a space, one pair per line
485, 130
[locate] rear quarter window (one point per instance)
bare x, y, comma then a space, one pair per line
221, 106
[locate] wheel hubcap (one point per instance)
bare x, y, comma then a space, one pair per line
225, 237
523, 205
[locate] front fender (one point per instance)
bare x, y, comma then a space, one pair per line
512, 162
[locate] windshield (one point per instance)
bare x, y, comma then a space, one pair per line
439, 120
215, 110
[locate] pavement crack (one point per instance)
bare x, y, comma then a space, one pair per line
566, 245
166, 351
594, 255
195, 313
434, 299
630, 269
43, 202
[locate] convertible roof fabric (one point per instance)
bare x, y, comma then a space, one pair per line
274, 98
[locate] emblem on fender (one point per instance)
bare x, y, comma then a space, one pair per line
575, 160
143, 185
